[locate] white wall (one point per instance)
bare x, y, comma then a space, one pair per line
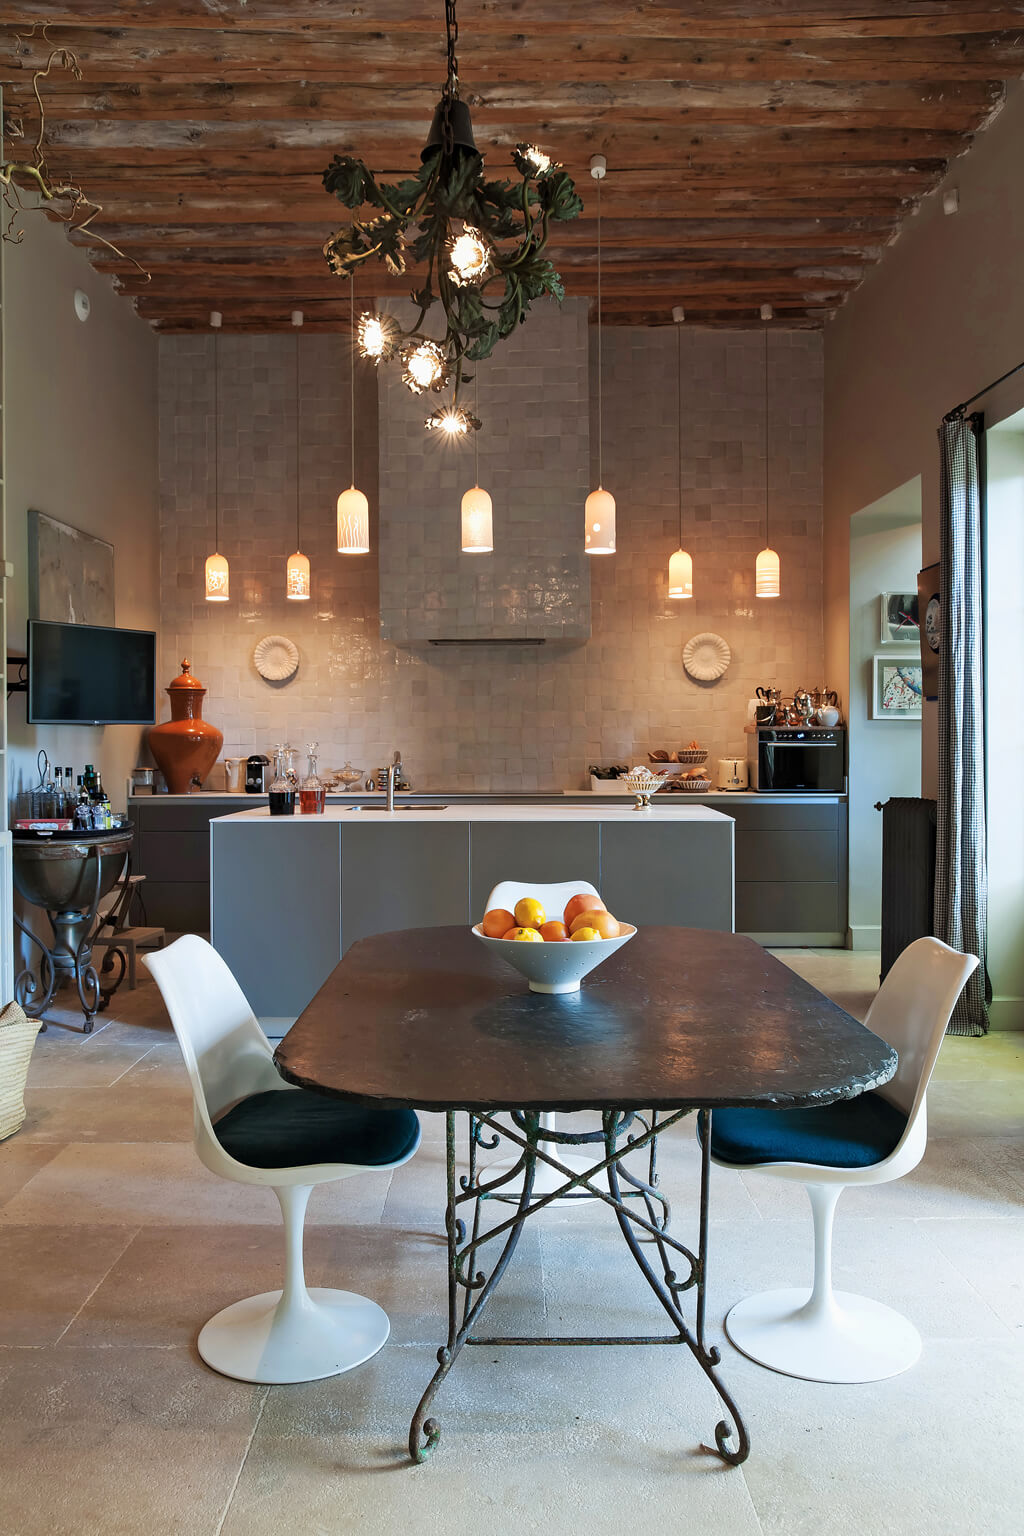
1004, 691
82, 447
885, 755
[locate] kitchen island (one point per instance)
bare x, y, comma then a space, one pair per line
290, 894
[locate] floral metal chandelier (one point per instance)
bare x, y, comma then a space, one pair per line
482, 242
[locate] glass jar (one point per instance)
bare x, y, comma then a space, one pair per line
312, 791
282, 785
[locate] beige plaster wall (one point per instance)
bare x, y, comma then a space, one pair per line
939, 318
82, 447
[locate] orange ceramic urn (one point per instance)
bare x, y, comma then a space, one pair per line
185, 746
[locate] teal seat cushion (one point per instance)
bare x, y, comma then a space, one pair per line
291, 1128
853, 1133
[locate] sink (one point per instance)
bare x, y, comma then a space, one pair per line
404, 808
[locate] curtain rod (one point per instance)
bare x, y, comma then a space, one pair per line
959, 409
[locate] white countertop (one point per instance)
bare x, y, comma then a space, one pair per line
607, 808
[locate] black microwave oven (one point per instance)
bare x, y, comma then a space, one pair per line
798, 760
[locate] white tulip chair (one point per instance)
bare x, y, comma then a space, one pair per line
823, 1334
252, 1127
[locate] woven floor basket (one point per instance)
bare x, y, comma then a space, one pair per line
17, 1037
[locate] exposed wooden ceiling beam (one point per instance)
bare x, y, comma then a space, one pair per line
374, 58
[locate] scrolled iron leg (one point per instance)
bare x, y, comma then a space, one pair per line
424, 1431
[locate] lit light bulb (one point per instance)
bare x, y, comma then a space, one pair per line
537, 160
766, 574
424, 367
353, 523
217, 579
680, 575
599, 513
452, 421
297, 583
470, 258
477, 522
376, 336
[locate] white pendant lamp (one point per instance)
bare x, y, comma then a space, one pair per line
477, 511
296, 573
767, 568
217, 575
680, 566
353, 507
599, 512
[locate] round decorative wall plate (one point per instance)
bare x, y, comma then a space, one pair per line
706, 657
276, 658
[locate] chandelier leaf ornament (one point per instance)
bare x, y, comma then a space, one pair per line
482, 243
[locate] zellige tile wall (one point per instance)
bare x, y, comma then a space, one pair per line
496, 717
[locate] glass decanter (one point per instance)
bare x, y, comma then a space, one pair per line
282, 786
312, 791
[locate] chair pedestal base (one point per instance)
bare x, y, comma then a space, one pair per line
321, 1334
845, 1338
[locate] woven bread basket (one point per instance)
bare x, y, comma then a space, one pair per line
17, 1037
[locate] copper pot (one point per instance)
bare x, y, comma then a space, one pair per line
185, 746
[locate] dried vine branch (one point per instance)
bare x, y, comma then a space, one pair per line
15, 175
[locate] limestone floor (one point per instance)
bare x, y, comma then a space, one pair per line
115, 1245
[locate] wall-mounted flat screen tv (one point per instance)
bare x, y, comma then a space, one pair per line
80, 674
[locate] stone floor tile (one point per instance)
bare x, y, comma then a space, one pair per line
990, 1255
47, 1274
165, 1183
105, 1443
124, 1112
20, 1161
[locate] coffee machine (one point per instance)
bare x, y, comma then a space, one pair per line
257, 774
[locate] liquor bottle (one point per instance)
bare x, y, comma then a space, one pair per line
282, 788
83, 808
312, 792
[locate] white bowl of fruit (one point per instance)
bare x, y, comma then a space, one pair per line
554, 935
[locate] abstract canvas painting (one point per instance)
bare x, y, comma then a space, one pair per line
898, 689
70, 573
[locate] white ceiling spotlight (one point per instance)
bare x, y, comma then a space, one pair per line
767, 313
83, 305
951, 201
678, 314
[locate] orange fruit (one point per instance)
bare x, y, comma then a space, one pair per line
606, 925
529, 912
497, 922
584, 935
587, 902
553, 932
530, 935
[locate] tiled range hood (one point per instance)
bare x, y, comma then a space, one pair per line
535, 462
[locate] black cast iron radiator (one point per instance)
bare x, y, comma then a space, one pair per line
908, 874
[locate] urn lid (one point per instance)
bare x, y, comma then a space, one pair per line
186, 682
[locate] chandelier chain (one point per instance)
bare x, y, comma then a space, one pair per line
450, 94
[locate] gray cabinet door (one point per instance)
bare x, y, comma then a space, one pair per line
784, 906
541, 852
410, 875
793, 855
276, 893
656, 873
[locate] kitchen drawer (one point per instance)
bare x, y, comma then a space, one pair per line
540, 852
180, 906
183, 818
169, 855
785, 906
789, 856
775, 816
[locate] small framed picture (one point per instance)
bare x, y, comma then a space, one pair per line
929, 607
900, 624
897, 690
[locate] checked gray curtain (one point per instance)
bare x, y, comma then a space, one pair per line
961, 876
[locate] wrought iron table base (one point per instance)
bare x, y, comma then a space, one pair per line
645, 1218
68, 958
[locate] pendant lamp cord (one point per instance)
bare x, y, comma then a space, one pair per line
679, 427
216, 443
766, 539
476, 434
298, 449
600, 368
352, 370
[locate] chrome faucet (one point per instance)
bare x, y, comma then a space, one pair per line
392, 775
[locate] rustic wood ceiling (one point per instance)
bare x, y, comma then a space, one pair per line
759, 151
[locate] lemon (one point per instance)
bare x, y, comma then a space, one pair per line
530, 913
584, 935
530, 935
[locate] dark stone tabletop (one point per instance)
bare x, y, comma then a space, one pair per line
431, 1018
